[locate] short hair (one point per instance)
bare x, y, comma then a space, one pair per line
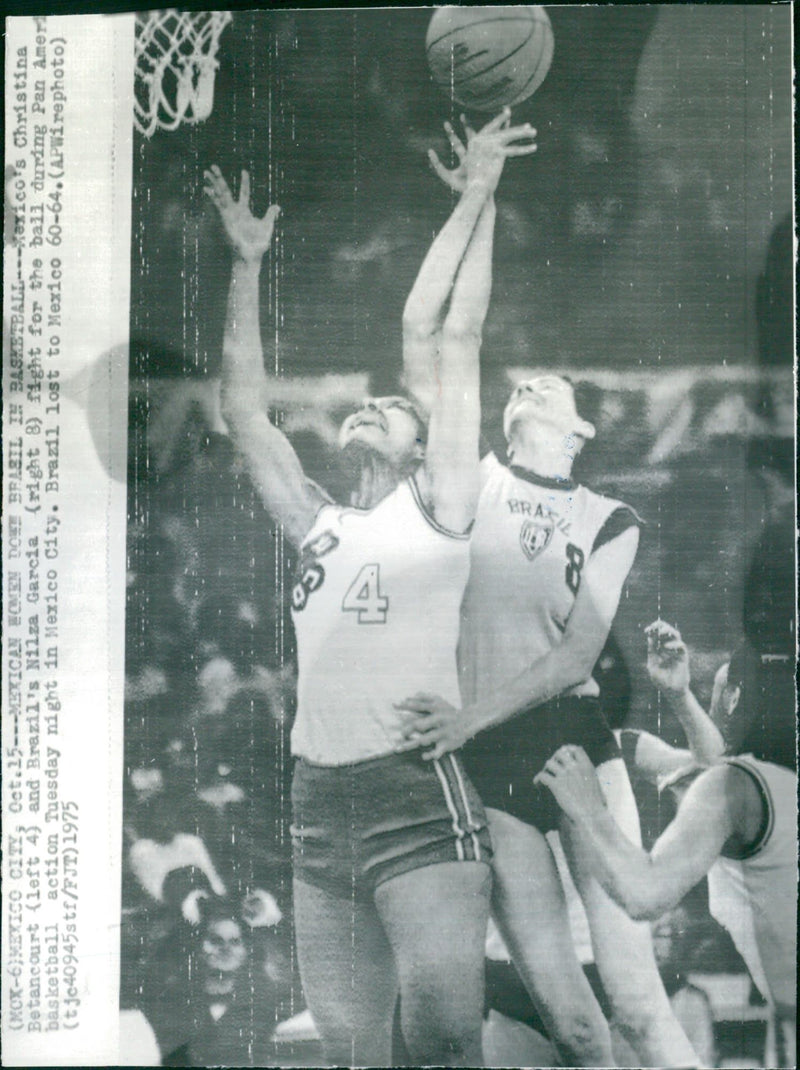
767, 704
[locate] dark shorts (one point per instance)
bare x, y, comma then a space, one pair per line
506, 993
503, 761
355, 826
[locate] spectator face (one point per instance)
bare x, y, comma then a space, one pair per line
146, 781
217, 683
223, 948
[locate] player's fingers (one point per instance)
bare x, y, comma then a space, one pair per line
439, 167
415, 711
436, 753
674, 639
498, 121
519, 150
409, 744
552, 767
272, 214
456, 144
428, 737
582, 760
219, 180
468, 130
244, 189
513, 133
213, 184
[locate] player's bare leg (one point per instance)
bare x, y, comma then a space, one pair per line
530, 910
436, 919
624, 948
348, 975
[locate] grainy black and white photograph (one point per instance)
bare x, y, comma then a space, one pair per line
450, 433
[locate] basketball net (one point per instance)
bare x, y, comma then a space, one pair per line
175, 67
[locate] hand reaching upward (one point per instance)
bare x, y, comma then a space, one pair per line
248, 236
485, 152
667, 658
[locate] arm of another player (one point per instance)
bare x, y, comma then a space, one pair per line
668, 668
654, 759
449, 477
645, 885
273, 464
570, 662
433, 722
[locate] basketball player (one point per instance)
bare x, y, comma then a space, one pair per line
736, 823
377, 834
548, 562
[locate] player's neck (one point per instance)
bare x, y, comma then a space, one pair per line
548, 459
375, 479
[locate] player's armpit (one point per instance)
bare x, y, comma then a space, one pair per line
288, 495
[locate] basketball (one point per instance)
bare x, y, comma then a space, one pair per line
489, 57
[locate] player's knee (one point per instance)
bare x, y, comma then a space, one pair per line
637, 1013
438, 1030
578, 1033
442, 1040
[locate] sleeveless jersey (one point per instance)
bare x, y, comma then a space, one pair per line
376, 612
754, 896
531, 541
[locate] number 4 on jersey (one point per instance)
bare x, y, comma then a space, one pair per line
364, 597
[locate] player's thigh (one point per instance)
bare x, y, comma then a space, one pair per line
347, 971
528, 897
435, 918
530, 909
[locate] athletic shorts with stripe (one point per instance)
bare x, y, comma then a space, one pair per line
356, 826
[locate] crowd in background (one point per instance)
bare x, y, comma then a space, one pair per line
207, 915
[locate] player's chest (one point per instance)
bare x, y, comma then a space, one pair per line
359, 567
522, 534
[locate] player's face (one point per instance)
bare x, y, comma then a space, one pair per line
223, 947
725, 710
387, 425
547, 400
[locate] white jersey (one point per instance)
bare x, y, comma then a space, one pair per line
755, 896
376, 612
531, 541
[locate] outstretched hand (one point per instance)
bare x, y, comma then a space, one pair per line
248, 236
572, 779
667, 658
433, 722
484, 153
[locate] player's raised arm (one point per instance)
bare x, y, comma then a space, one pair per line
273, 464
448, 480
668, 668
646, 885
425, 307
